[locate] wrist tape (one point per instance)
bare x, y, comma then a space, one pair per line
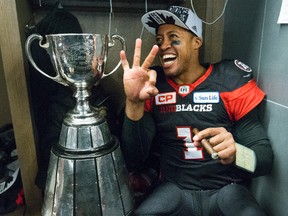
245, 158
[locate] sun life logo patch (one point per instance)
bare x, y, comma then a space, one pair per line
206, 97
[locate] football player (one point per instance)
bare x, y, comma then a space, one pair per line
183, 105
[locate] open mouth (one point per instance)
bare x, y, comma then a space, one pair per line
168, 59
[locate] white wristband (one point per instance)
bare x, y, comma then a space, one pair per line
245, 158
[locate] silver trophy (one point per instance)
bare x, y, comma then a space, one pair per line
87, 173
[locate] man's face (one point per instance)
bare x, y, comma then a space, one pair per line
176, 51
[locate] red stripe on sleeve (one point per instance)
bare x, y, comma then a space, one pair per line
242, 100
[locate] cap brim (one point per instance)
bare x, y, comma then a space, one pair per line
153, 19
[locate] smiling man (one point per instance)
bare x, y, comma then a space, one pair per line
166, 104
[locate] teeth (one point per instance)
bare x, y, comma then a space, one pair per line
167, 62
168, 56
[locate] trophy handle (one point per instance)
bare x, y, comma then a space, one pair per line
45, 46
111, 44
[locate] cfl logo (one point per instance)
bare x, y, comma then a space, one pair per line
184, 89
165, 98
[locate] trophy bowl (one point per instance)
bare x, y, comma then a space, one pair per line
78, 59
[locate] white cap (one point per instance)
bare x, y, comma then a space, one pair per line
176, 15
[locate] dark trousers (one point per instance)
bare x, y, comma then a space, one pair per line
170, 200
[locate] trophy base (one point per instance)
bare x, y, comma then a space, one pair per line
91, 185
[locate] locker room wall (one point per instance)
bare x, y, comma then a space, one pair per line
5, 115
251, 34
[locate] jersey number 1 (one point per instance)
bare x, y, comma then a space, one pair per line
191, 152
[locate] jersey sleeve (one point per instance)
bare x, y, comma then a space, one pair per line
136, 140
248, 131
242, 100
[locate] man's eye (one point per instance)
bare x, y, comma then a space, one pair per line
173, 36
159, 41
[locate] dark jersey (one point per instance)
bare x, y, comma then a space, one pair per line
222, 96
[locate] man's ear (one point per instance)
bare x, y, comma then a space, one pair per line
197, 42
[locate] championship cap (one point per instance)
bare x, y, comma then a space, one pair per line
175, 15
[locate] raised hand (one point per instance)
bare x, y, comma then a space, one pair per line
139, 81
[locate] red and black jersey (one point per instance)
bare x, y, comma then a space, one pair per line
222, 96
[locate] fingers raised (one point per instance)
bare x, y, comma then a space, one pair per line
137, 53
152, 76
150, 58
125, 63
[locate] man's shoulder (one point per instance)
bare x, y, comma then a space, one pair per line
233, 73
233, 67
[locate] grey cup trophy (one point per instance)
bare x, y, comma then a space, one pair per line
87, 173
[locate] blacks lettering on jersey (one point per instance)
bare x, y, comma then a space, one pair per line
186, 108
